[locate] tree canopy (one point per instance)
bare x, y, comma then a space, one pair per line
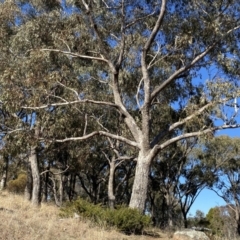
131, 71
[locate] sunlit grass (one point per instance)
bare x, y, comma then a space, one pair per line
20, 220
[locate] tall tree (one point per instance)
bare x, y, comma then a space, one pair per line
128, 57
222, 155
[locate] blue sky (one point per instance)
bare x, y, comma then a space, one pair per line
207, 198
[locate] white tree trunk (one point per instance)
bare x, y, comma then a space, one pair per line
33, 159
3, 181
29, 184
111, 195
170, 209
140, 184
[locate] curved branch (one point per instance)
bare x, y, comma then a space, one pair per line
157, 148
180, 71
196, 113
72, 102
156, 27
58, 173
139, 19
75, 54
101, 133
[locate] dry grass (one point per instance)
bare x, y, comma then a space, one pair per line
20, 220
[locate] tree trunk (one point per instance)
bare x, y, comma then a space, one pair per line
60, 190
185, 220
71, 186
33, 158
169, 209
140, 184
3, 182
29, 184
111, 195
55, 191
238, 222
45, 186
171, 204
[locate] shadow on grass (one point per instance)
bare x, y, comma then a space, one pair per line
152, 234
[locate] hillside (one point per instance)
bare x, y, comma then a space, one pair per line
19, 220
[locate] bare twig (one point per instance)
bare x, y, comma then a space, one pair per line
71, 89
101, 133
71, 102
76, 54
55, 173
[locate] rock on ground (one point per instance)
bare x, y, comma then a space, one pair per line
190, 235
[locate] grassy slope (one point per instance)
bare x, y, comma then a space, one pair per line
19, 220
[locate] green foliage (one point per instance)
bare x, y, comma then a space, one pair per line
123, 218
215, 220
199, 220
85, 209
129, 220
121, 69
18, 185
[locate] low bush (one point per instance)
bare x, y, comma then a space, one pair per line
123, 218
129, 220
18, 185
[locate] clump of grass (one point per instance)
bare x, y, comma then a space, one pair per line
17, 185
20, 220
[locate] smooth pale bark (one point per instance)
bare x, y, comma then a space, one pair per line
111, 195
57, 181
45, 186
55, 192
29, 184
170, 209
60, 190
33, 159
3, 182
140, 184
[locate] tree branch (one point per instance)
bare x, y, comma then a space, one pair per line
139, 19
120, 58
146, 79
58, 173
72, 102
156, 27
157, 148
180, 71
196, 113
95, 28
75, 54
101, 133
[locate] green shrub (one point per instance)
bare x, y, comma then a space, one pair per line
123, 218
130, 220
18, 185
85, 209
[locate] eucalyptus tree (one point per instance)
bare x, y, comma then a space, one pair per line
20, 85
165, 176
178, 176
221, 221
222, 156
194, 179
133, 57
114, 159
